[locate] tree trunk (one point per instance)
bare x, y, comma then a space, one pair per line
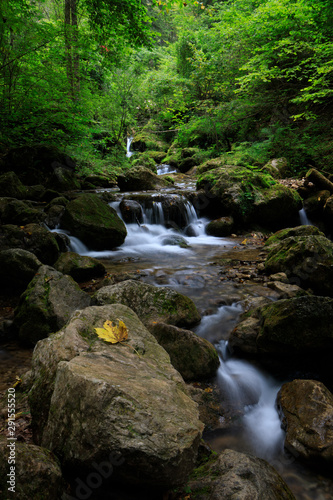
319, 180
72, 56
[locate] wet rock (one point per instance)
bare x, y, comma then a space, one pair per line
175, 240
224, 226
79, 267
151, 303
314, 204
47, 304
140, 179
307, 261
124, 398
94, 222
194, 357
238, 475
12, 187
131, 211
32, 237
19, 212
37, 472
307, 407
54, 215
17, 268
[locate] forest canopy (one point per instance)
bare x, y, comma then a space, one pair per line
251, 79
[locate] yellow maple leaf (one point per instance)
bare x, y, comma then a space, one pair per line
113, 333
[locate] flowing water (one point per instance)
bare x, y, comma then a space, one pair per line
190, 262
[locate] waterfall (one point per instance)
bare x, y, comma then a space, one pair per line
155, 214
164, 168
129, 153
304, 218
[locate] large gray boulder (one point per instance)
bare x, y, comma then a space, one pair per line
151, 303
307, 407
233, 475
47, 304
94, 222
194, 357
17, 268
90, 397
37, 472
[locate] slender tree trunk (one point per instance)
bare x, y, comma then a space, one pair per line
72, 56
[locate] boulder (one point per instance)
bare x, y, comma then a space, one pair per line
90, 397
234, 475
140, 179
17, 268
131, 211
224, 226
37, 472
307, 261
175, 240
32, 237
277, 168
307, 408
98, 181
301, 325
19, 212
314, 204
47, 304
94, 222
33, 163
12, 187
79, 267
54, 215
285, 290
292, 231
147, 139
150, 303
194, 357
248, 195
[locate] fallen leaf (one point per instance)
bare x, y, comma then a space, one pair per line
113, 333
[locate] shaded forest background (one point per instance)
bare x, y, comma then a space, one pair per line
247, 80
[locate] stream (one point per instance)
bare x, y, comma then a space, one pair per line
151, 250
247, 391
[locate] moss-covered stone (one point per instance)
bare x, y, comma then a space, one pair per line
11, 186
17, 268
79, 267
247, 194
194, 357
94, 222
151, 303
19, 212
292, 231
307, 261
140, 179
223, 226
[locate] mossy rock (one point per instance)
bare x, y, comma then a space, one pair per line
94, 222
288, 232
307, 261
224, 226
148, 139
144, 160
11, 186
194, 357
17, 268
140, 179
151, 303
19, 212
80, 267
248, 195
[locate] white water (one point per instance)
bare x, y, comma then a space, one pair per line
165, 169
304, 218
129, 153
244, 387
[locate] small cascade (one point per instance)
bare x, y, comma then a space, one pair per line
155, 214
164, 168
304, 218
129, 153
75, 245
245, 388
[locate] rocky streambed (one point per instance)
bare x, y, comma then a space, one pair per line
216, 325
